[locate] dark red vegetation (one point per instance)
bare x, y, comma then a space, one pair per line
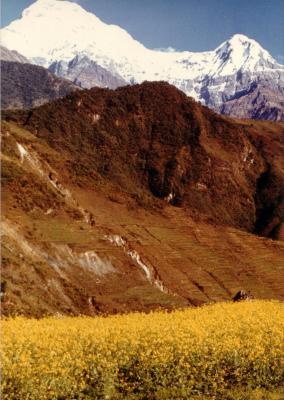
151, 139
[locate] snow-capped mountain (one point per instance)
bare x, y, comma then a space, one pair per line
14, 56
86, 73
57, 31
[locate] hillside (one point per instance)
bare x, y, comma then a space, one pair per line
25, 85
135, 199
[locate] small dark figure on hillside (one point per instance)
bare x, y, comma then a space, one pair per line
243, 295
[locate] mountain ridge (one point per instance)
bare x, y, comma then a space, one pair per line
210, 77
137, 199
86, 73
171, 137
14, 56
239, 44
24, 85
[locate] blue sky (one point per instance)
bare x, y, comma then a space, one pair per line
195, 25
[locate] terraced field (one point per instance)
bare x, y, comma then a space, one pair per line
90, 249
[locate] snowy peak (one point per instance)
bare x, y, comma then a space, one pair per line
55, 32
68, 30
48, 8
240, 40
40, 6
241, 53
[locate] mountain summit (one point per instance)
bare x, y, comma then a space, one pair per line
69, 30
242, 53
56, 31
53, 30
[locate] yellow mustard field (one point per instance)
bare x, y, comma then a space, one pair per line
179, 355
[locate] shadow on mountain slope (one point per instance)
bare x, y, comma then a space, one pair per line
136, 199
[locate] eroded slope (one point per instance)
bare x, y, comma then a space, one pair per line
80, 239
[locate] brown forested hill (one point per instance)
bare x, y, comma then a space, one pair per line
151, 138
136, 199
